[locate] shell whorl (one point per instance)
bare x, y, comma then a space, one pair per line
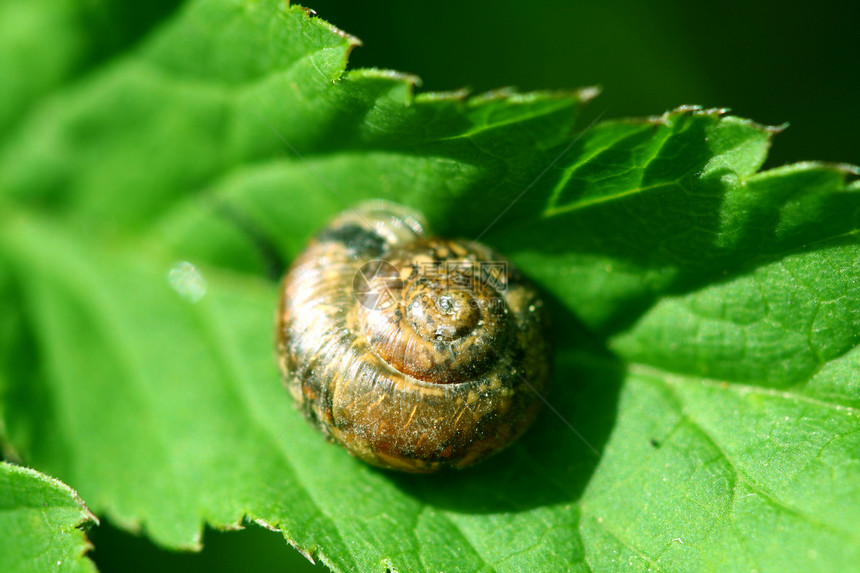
414, 352
433, 327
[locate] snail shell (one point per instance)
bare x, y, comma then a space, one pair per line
413, 352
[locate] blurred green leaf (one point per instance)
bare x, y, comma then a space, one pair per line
40, 523
45, 44
707, 314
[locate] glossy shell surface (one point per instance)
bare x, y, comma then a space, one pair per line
413, 352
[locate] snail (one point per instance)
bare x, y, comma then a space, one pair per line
413, 352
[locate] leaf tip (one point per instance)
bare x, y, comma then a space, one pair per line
688, 110
496, 94
87, 516
588, 93
453, 95
411, 79
352, 41
512, 95
776, 129
847, 169
263, 523
306, 553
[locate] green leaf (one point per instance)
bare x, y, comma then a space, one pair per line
87, 33
707, 314
40, 523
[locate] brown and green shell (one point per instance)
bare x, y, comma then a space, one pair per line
414, 353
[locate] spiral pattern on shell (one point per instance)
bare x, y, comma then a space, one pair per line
413, 352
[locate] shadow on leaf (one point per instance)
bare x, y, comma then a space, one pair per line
554, 461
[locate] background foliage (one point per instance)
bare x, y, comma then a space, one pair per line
788, 64
63, 169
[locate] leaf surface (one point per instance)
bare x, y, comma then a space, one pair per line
707, 314
40, 523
